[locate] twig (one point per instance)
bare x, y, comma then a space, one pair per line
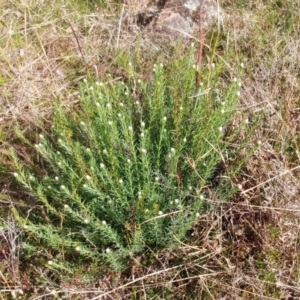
120, 25
200, 50
77, 42
262, 183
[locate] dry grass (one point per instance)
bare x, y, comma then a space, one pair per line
247, 248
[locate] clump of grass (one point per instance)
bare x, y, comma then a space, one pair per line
128, 169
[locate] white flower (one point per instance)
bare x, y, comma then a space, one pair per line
160, 213
126, 93
91, 87
130, 64
108, 105
128, 160
49, 187
119, 115
247, 121
50, 262
212, 65
104, 223
192, 45
56, 178
176, 201
59, 163
143, 124
142, 134
57, 152
88, 149
172, 150
41, 136
81, 123
180, 108
102, 166
161, 65
239, 84
234, 79
120, 181
184, 140
240, 187
223, 103
107, 250
258, 142
238, 93
66, 206
59, 140
144, 150
62, 187
77, 248
86, 221
109, 122
222, 111
139, 80
156, 178
130, 128
220, 129
201, 197
88, 177
197, 215
16, 174
84, 80
242, 65
137, 102
165, 118
97, 104
194, 66
190, 188
121, 104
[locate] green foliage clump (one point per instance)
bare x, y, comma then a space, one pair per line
127, 169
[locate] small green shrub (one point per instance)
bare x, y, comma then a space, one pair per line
127, 170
